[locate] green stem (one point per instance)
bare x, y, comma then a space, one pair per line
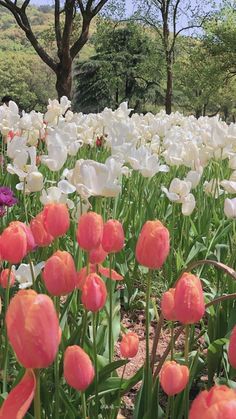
147, 365
37, 404
172, 341
110, 310
186, 352
24, 201
56, 367
6, 354
84, 407
95, 365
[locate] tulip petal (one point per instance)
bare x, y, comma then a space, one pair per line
20, 398
106, 272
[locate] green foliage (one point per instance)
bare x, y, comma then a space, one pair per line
126, 67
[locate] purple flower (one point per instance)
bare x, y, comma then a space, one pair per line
6, 197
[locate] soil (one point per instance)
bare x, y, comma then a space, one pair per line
136, 324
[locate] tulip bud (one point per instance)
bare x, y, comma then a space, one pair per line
78, 369
97, 255
217, 403
41, 236
33, 329
230, 208
189, 304
59, 274
94, 293
173, 377
167, 305
34, 181
13, 243
153, 245
4, 278
89, 231
129, 345
113, 236
232, 348
56, 219
29, 235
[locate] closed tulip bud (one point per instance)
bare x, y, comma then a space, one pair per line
59, 274
33, 329
173, 377
113, 238
78, 368
4, 278
13, 243
56, 219
129, 345
41, 236
167, 305
153, 245
34, 181
232, 348
189, 304
217, 403
89, 231
97, 255
94, 293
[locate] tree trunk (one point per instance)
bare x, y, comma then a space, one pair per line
64, 79
169, 87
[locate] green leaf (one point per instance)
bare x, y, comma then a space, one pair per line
214, 356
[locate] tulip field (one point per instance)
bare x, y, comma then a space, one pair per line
102, 216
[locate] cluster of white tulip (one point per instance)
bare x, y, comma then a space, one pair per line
147, 143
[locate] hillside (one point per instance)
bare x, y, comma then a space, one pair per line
12, 38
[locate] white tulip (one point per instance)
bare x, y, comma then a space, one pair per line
230, 207
24, 276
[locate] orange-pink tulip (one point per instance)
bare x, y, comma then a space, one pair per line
153, 245
13, 243
59, 273
94, 293
4, 278
19, 399
189, 299
41, 236
113, 238
129, 345
97, 255
217, 403
89, 231
173, 377
33, 329
56, 219
78, 368
232, 348
167, 305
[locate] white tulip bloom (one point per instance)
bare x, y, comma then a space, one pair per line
230, 208
56, 195
148, 164
229, 186
56, 109
24, 276
33, 182
178, 190
57, 151
188, 204
194, 176
96, 179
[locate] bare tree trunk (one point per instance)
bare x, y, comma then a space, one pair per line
64, 80
169, 87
